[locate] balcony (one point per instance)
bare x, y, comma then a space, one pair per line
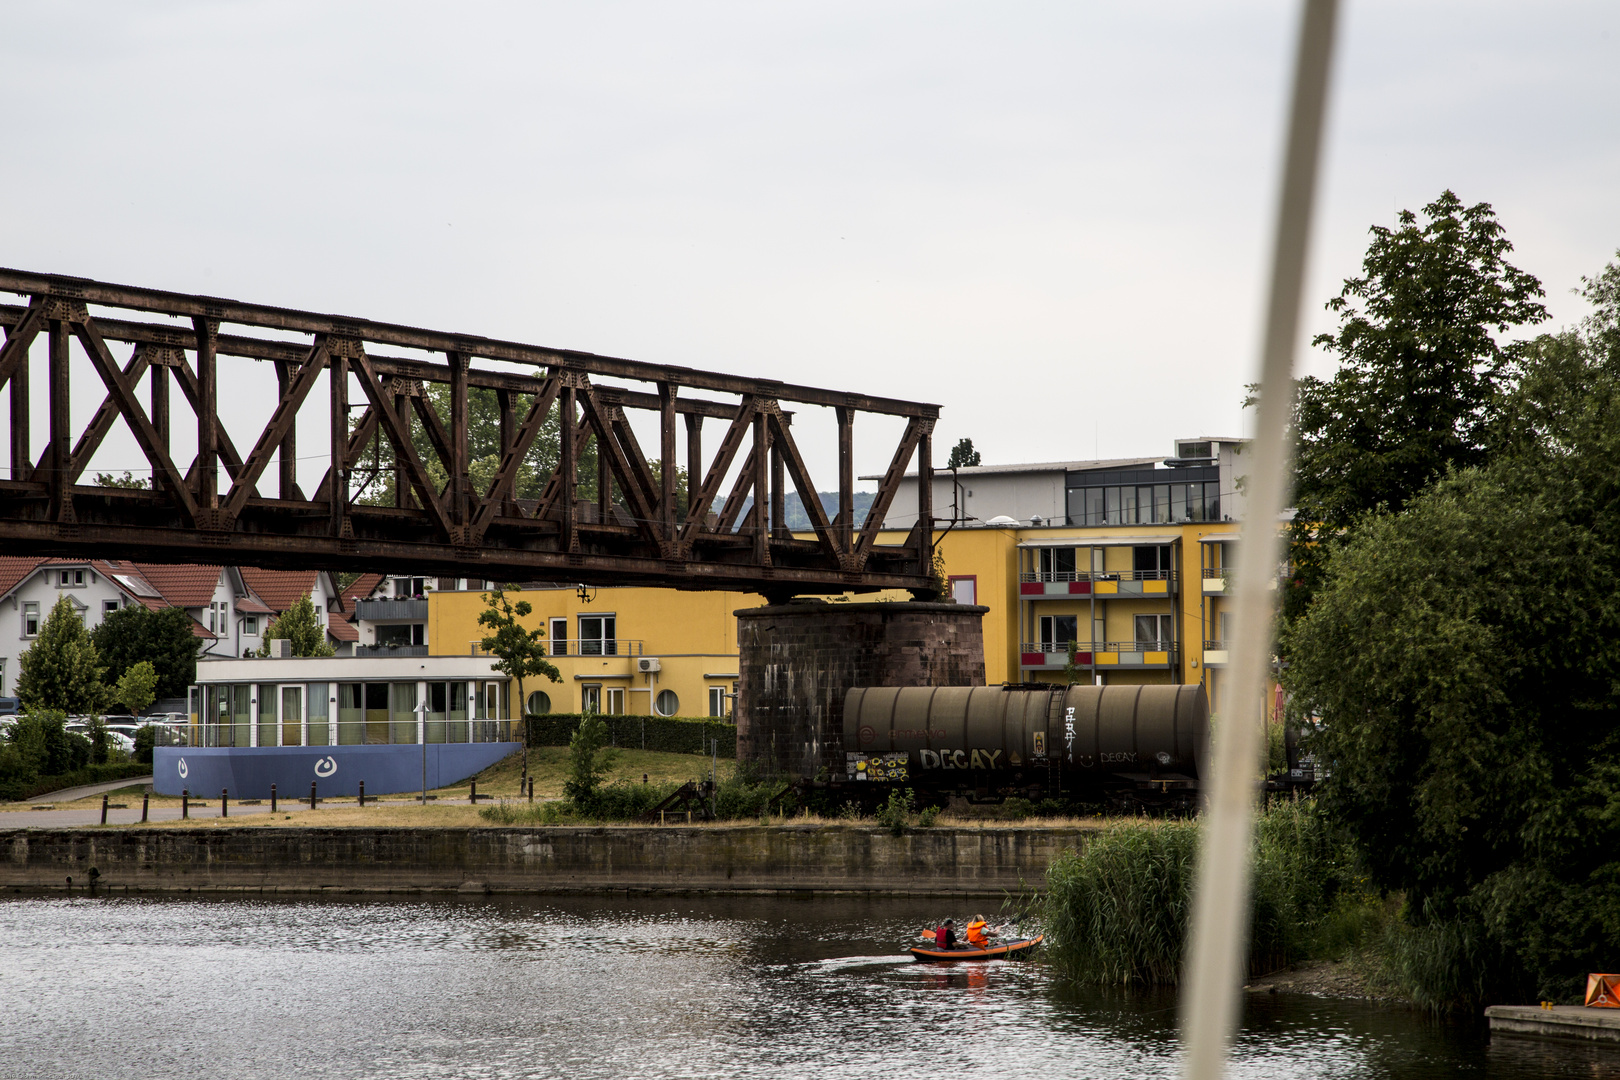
1214, 581
1103, 584
1215, 653
389, 610
390, 650
612, 647
1050, 656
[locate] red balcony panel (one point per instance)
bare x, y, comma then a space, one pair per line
1079, 587
1030, 588
1033, 659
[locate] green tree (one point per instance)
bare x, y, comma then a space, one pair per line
1422, 370
43, 745
298, 625
589, 760
128, 480
62, 669
1463, 657
962, 455
520, 652
137, 687
163, 638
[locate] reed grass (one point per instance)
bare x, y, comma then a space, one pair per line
1117, 910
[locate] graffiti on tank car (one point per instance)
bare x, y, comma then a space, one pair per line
1116, 759
918, 733
1068, 732
962, 759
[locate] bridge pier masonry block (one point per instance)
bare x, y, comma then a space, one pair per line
799, 659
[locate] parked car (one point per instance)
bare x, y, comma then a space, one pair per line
10, 706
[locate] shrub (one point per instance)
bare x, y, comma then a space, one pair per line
668, 734
589, 761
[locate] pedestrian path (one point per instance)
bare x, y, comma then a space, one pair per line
84, 791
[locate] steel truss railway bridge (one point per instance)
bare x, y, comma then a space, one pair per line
214, 508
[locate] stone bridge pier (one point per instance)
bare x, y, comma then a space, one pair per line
799, 659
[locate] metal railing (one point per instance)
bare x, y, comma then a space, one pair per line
611, 647
1058, 576
372, 610
390, 650
1215, 645
1062, 648
388, 729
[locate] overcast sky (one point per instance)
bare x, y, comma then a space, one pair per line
1050, 218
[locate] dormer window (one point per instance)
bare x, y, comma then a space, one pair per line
70, 579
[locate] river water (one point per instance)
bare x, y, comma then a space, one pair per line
125, 989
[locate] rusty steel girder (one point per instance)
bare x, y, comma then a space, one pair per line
211, 510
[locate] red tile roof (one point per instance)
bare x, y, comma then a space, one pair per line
186, 585
341, 629
362, 587
15, 569
279, 588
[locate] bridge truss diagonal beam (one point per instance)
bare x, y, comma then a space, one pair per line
404, 420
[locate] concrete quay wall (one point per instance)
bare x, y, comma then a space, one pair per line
737, 859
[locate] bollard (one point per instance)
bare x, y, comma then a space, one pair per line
531, 789
473, 797
643, 778
312, 794
104, 809
272, 798
224, 803
362, 793
185, 803
145, 801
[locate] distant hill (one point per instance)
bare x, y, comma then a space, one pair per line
797, 519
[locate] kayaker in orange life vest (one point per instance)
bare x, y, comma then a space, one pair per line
978, 934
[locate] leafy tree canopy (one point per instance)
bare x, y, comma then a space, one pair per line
962, 455
1463, 656
299, 625
163, 638
520, 652
136, 688
62, 669
1423, 370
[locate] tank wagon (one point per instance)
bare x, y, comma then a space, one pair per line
1123, 744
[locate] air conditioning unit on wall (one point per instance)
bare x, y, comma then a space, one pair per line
647, 663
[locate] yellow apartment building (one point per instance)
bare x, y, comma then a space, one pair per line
636, 651
1125, 558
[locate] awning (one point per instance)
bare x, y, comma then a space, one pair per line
1106, 541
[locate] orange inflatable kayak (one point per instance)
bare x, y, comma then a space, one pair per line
968, 952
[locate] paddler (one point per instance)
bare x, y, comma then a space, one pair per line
945, 936
978, 933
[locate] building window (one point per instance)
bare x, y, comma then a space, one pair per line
407, 588
317, 613
717, 701
590, 698
69, 579
539, 703
1057, 631
1145, 504
1057, 564
219, 618
1152, 563
250, 625
402, 634
30, 620
598, 635
108, 607
615, 701
964, 590
1153, 633
559, 637
667, 703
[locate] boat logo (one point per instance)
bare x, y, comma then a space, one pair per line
325, 766
184, 772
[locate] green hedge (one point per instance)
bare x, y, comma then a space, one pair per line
15, 790
670, 734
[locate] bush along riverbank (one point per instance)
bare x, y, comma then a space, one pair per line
1117, 912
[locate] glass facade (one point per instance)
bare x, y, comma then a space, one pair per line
351, 713
1144, 496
